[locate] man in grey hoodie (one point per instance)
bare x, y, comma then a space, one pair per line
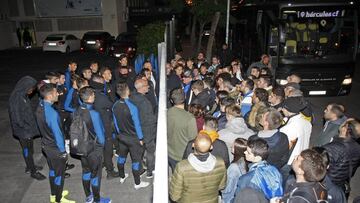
235, 128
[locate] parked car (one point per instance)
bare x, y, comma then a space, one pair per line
64, 43
97, 41
125, 43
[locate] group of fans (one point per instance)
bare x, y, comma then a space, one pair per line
235, 136
88, 114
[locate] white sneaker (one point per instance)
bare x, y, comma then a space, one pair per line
141, 185
122, 180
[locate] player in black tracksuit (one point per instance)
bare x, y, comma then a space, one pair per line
103, 105
53, 144
130, 136
92, 163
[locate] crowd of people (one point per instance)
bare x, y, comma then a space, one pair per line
233, 134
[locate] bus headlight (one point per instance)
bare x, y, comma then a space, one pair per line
347, 81
281, 81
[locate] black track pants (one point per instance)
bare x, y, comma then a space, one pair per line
56, 171
92, 170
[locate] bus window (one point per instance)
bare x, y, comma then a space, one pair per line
316, 33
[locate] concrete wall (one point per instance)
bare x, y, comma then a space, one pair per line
6, 39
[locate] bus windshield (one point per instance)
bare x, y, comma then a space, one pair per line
319, 32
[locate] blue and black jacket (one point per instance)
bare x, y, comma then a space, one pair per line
68, 79
97, 124
126, 119
48, 120
72, 100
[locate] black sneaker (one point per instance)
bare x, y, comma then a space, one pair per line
67, 175
112, 174
143, 172
69, 166
38, 176
37, 168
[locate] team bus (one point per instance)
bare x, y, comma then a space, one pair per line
315, 39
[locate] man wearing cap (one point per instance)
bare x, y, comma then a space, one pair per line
297, 128
290, 87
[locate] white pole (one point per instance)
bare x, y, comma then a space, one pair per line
227, 22
160, 189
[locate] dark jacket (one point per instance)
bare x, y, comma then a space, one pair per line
147, 115
173, 82
204, 98
222, 121
59, 105
151, 96
22, 118
354, 151
335, 193
300, 192
339, 161
109, 90
225, 56
330, 130
48, 120
278, 148
126, 119
219, 150
128, 79
103, 105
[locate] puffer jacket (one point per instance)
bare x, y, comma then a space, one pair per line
201, 183
339, 166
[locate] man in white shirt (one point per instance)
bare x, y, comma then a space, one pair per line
297, 128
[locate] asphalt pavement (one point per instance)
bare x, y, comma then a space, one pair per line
18, 187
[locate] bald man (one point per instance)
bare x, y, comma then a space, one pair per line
199, 177
148, 122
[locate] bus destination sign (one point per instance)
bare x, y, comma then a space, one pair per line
320, 14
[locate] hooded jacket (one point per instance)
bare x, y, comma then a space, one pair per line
22, 117
278, 147
219, 147
197, 181
236, 128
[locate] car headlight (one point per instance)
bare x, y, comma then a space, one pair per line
130, 49
347, 81
281, 81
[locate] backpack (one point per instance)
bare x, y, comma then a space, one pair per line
316, 194
82, 140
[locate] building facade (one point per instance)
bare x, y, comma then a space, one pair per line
44, 17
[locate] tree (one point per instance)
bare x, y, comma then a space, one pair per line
206, 11
149, 36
